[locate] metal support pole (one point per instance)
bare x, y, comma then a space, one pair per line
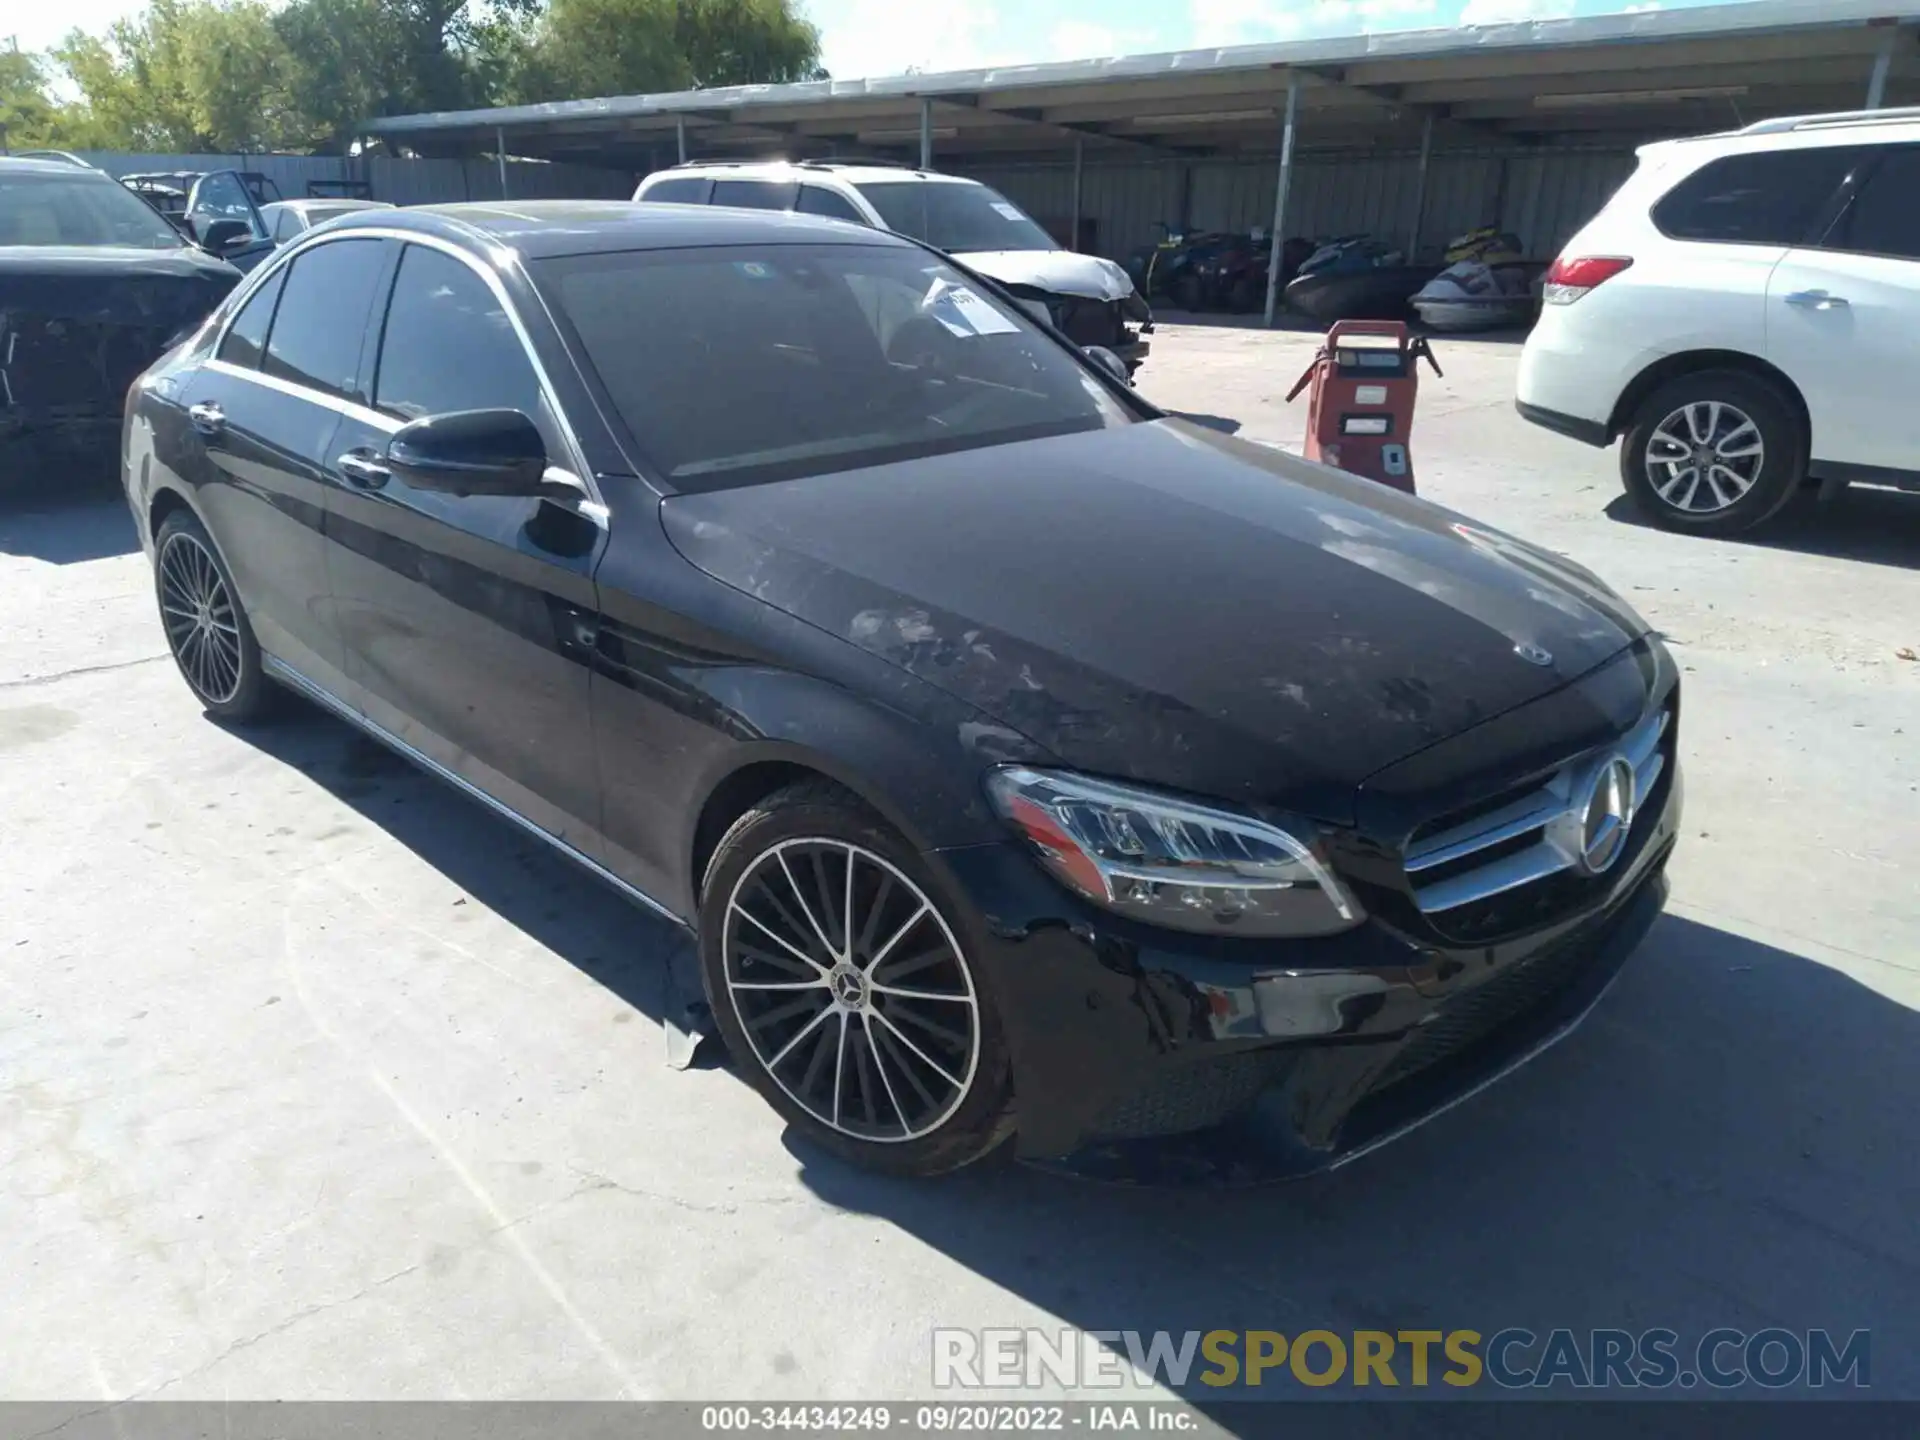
500, 154
1079, 151
680, 130
1882, 63
1420, 191
926, 134
1280, 195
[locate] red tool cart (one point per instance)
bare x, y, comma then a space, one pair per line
1360, 411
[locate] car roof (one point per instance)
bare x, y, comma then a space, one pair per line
812, 169
537, 228
23, 165
307, 202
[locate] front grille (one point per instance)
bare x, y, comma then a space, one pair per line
1471, 1017
1515, 860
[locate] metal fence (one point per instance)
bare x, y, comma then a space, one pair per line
1542, 196
404, 182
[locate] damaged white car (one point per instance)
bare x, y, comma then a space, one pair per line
1089, 299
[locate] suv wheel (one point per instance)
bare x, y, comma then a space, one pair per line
1714, 453
840, 976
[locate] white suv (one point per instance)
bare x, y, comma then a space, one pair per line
1089, 299
1745, 316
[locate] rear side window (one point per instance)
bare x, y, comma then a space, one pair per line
440, 310
754, 194
246, 338
1771, 198
322, 319
681, 190
1884, 218
818, 200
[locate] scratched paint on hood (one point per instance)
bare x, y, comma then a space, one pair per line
1164, 604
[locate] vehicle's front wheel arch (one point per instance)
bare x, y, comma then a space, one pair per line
1689, 362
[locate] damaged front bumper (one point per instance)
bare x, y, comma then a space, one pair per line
1143, 1055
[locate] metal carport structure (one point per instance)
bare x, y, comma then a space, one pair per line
1527, 89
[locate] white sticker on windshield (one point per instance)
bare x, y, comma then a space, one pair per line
1012, 212
964, 313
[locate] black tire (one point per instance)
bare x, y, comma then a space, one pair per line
1189, 294
213, 645
1707, 500
790, 833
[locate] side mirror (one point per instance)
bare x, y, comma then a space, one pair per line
472, 452
220, 236
1109, 362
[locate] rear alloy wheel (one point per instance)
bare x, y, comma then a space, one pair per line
205, 625
1714, 453
843, 988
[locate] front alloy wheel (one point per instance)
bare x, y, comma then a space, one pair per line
845, 987
851, 989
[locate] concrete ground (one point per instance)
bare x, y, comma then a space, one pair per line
316, 1081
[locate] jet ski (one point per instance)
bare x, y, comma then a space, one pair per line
1356, 277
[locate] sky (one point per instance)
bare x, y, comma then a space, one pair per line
886, 37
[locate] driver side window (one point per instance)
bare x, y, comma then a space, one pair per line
441, 309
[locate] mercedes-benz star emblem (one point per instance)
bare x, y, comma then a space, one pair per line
848, 989
1608, 815
1533, 654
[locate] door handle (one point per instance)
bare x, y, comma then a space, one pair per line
1816, 300
207, 418
363, 470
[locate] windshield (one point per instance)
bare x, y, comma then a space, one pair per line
956, 218
79, 209
741, 364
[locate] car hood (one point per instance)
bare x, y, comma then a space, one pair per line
1165, 604
78, 324
1058, 272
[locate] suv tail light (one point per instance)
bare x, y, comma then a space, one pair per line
1568, 280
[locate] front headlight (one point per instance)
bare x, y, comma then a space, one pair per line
1170, 862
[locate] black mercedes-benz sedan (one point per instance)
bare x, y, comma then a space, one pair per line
94, 286
1026, 762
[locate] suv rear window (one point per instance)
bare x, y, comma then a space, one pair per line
754, 194
681, 190
1771, 198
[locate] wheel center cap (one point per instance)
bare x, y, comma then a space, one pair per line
849, 988
1703, 456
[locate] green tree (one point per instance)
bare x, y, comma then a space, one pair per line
745, 42
354, 59
227, 75
582, 48
187, 75
31, 118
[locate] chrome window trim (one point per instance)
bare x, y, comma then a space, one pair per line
595, 505
327, 700
352, 409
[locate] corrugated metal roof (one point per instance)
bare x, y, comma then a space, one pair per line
1655, 71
